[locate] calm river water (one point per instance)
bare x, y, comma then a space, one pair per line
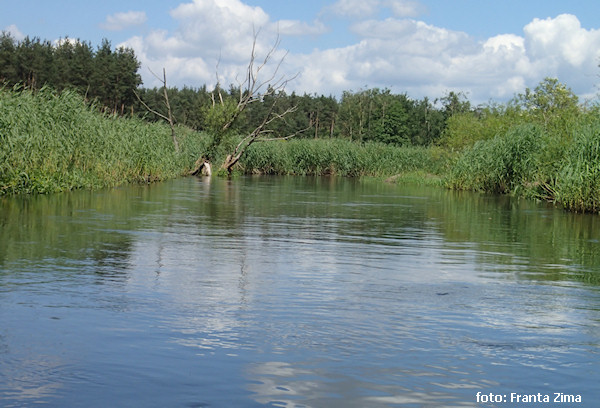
296, 292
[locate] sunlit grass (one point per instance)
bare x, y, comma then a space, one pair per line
338, 157
55, 142
532, 162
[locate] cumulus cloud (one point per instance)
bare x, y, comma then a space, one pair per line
211, 32
424, 60
405, 55
121, 21
14, 31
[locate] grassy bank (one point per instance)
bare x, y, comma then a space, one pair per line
342, 158
529, 160
55, 142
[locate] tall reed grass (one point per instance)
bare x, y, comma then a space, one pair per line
338, 157
54, 142
528, 160
503, 164
577, 185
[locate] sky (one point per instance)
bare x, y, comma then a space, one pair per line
488, 50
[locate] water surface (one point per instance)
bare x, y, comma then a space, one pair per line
294, 292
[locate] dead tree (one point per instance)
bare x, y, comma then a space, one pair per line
169, 116
255, 89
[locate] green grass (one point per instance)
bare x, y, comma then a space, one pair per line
529, 161
503, 164
577, 184
339, 157
55, 142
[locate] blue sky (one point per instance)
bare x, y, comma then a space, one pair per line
488, 49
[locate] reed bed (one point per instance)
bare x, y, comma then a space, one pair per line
503, 164
53, 142
529, 161
338, 157
577, 185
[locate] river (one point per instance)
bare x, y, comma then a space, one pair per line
296, 292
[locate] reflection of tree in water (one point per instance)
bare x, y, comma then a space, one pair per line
544, 242
86, 228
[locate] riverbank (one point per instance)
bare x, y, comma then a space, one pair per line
339, 157
530, 161
54, 142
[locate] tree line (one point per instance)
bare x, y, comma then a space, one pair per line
376, 115
110, 78
105, 75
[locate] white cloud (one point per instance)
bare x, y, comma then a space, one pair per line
212, 32
561, 47
424, 60
403, 8
218, 23
121, 21
405, 55
561, 40
14, 31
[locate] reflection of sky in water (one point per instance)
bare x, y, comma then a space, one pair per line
356, 326
331, 305
34, 380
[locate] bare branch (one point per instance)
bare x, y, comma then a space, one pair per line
168, 118
149, 108
270, 139
254, 89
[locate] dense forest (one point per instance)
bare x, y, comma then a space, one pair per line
542, 144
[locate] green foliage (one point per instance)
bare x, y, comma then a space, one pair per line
217, 119
551, 105
577, 185
503, 164
380, 116
528, 160
465, 128
54, 142
338, 157
106, 75
369, 115
549, 98
542, 144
